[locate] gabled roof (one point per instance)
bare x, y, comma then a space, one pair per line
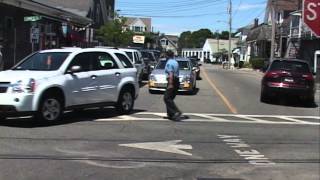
146, 21
260, 33
172, 39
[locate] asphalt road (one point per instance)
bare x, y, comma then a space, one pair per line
229, 135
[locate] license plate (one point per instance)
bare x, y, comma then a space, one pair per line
288, 80
161, 84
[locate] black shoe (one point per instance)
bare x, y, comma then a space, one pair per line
176, 116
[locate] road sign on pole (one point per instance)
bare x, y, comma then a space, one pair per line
311, 15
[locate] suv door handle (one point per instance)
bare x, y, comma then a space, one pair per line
117, 74
94, 77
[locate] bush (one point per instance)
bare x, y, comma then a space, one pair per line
247, 65
257, 63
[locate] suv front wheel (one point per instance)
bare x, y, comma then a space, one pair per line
50, 109
125, 102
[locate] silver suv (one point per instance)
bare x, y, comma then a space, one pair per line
48, 82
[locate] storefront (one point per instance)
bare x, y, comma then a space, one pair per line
27, 26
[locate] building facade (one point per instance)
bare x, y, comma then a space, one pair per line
138, 25
210, 49
28, 26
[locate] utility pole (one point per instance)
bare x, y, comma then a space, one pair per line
273, 33
230, 31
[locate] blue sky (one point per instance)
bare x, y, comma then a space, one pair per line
176, 16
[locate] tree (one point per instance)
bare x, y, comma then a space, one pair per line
199, 37
194, 39
185, 40
112, 33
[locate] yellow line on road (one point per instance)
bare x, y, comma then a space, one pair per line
223, 98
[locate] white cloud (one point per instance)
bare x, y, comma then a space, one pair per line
251, 6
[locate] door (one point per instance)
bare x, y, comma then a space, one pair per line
107, 75
80, 86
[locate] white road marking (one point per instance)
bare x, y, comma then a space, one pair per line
166, 146
253, 156
222, 118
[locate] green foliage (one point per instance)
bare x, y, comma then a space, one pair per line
194, 39
197, 39
247, 65
112, 33
257, 63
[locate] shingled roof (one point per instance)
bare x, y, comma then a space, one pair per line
260, 33
286, 5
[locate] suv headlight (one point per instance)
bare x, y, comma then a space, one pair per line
22, 87
152, 77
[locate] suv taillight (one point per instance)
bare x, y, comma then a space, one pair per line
308, 77
272, 74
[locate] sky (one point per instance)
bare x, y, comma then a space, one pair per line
176, 16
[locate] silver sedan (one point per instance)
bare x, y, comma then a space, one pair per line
187, 77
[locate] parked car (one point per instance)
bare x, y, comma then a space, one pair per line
48, 82
149, 60
288, 77
196, 65
187, 78
136, 58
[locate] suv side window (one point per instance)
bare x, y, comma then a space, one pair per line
137, 58
124, 60
82, 60
103, 61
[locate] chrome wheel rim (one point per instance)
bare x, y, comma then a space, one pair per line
127, 101
51, 109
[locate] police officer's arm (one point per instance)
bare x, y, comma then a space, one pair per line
170, 80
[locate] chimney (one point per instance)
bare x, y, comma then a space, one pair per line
256, 22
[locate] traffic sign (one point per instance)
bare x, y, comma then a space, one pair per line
311, 15
32, 18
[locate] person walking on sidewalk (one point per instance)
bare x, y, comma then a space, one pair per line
172, 72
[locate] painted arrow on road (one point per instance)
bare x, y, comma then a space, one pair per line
166, 146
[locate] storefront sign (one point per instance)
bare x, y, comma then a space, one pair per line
32, 18
138, 39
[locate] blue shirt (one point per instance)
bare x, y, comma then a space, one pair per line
172, 66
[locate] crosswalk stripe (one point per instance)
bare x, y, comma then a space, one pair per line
222, 118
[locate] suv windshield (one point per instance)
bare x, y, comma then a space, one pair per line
43, 61
292, 66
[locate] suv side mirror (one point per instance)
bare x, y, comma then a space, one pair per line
74, 69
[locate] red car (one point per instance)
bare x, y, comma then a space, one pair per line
288, 77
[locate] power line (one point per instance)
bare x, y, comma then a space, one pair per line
174, 16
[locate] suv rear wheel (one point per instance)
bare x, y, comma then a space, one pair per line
125, 102
50, 109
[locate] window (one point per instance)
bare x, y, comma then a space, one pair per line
103, 61
82, 60
43, 62
124, 60
129, 54
137, 58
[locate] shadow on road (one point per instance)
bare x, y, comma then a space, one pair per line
68, 118
180, 93
291, 102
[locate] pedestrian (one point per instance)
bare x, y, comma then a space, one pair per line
1, 59
172, 72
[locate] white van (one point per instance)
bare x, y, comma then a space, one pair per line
136, 59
